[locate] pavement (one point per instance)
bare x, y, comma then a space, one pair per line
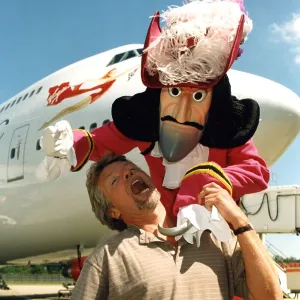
37, 291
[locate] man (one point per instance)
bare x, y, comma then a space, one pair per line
140, 263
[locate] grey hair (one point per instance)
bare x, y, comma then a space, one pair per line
100, 204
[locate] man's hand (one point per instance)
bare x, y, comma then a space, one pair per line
213, 194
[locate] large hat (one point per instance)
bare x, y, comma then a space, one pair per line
198, 45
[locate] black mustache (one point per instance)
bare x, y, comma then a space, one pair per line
193, 124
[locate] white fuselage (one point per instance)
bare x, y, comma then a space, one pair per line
44, 217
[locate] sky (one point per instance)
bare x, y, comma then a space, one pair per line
39, 37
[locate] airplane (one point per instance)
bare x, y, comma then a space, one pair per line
52, 221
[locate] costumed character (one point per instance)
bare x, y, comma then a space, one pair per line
188, 126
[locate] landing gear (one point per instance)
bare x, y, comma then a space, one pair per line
3, 285
72, 270
67, 291
79, 250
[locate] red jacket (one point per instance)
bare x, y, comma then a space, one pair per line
242, 170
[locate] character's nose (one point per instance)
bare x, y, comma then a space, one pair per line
182, 111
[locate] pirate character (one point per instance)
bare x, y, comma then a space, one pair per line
187, 124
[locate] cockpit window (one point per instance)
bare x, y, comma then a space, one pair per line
116, 59
124, 56
130, 54
140, 51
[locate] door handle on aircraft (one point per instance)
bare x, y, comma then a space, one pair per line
18, 151
6, 121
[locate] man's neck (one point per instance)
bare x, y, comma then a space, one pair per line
160, 217
149, 222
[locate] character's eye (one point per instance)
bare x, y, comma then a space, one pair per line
114, 180
199, 95
175, 92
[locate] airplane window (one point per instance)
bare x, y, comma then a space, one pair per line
31, 93
93, 126
19, 100
105, 121
13, 102
117, 58
122, 56
40, 88
130, 54
12, 153
25, 97
81, 127
38, 145
2, 109
7, 106
140, 51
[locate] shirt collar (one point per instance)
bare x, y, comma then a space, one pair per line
146, 237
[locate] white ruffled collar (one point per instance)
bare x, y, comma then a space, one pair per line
175, 171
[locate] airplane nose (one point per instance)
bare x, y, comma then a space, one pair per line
279, 125
279, 113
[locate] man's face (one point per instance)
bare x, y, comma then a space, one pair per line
130, 190
183, 114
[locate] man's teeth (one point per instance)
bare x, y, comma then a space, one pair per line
145, 190
138, 186
135, 182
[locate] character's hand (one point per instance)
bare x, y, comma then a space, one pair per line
57, 141
213, 195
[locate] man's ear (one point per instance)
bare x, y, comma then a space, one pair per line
114, 213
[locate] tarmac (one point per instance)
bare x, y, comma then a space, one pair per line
36, 291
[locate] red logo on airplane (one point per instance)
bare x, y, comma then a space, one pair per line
63, 91
59, 93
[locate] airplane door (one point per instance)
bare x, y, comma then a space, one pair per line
16, 154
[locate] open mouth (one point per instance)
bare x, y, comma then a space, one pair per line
138, 187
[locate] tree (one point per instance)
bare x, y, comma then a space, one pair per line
29, 269
279, 259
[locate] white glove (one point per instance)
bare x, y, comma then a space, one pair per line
202, 219
57, 141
